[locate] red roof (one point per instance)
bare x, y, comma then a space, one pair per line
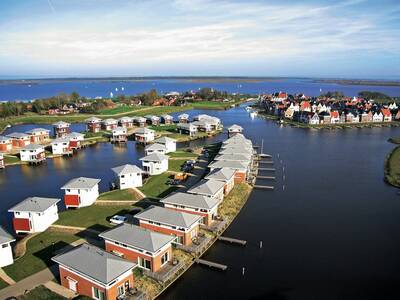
386, 112
334, 114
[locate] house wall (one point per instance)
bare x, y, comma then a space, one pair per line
5, 147
30, 222
171, 147
32, 155
60, 148
21, 143
207, 216
187, 240
229, 186
240, 177
61, 131
85, 285
149, 151
93, 127
133, 255
131, 180
6, 255
155, 168
86, 196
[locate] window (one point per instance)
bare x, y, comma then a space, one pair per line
120, 290
4, 246
144, 263
164, 258
98, 294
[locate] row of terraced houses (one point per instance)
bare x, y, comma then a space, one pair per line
147, 242
316, 111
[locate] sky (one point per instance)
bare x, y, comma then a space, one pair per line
59, 38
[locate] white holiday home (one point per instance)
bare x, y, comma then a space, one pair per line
60, 146
170, 144
155, 163
155, 148
33, 153
81, 192
128, 176
6, 255
34, 214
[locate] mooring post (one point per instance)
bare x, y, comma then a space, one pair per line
283, 187
261, 244
243, 269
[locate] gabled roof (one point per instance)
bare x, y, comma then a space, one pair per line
120, 130
94, 263
126, 169
186, 126
155, 147
236, 165
37, 130
183, 116
207, 187
168, 216
233, 157
125, 119
163, 140
17, 135
34, 204
93, 120
235, 127
222, 174
73, 135
155, 157
81, 183
61, 124
167, 117
4, 138
144, 130
5, 237
33, 147
137, 237
110, 121
60, 140
191, 200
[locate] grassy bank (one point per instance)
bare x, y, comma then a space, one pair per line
120, 195
392, 167
175, 165
3, 284
95, 216
157, 187
182, 153
40, 250
41, 293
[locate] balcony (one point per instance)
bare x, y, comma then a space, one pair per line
199, 245
167, 272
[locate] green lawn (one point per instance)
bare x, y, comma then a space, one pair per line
11, 159
175, 164
157, 187
40, 250
95, 216
3, 284
41, 293
168, 128
182, 153
118, 110
126, 195
211, 104
392, 167
161, 110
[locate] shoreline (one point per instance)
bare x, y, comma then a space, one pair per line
390, 168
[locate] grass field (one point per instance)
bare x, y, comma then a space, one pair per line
40, 250
392, 167
41, 293
3, 284
157, 187
169, 128
181, 153
175, 164
118, 110
95, 216
11, 159
211, 105
122, 195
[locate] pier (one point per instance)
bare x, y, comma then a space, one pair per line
266, 162
266, 169
232, 240
211, 264
266, 177
265, 187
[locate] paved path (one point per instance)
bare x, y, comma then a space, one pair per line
197, 173
6, 278
29, 283
60, 290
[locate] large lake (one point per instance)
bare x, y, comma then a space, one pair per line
96, 88
333, 232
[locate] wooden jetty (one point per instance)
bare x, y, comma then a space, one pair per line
211, 264
266, 162
266, 177
265, 187
266, 169
232, 240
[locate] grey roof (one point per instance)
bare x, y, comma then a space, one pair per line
222, 174
155, 157
191, 200
93, 120
235, 127
94, 263
236, 149
5, 237
17, 135
233, 157
35, 204
163, 140
60, 140
37, 130
120, 130
61, 123
186, 125
74, 135
167, 116
33, 147
236, 165
81, 183
4, 138
143, 130
112, 121
125, 119
155, 146
168, 216
207, 187
126, 169
138, 237
183, 116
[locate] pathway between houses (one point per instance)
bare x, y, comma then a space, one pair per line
60, 290
73, 228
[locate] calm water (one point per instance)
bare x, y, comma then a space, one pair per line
332, 233
93, 89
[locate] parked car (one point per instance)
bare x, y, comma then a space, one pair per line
117, 219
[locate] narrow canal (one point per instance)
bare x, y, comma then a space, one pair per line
332, 232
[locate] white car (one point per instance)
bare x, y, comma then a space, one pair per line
117, 219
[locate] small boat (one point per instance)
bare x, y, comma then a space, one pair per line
253, 114
116, 89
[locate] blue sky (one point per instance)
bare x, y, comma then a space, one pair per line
354, 38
